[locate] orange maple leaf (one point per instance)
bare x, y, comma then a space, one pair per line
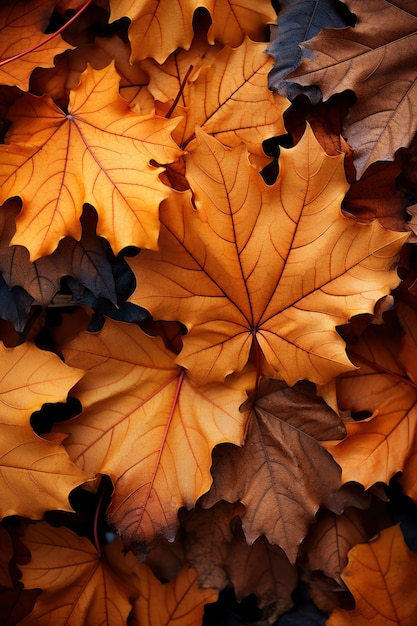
99, 152
159, 27
36, 475
79, 585
274, 269
381, 576
147, 426
22, 26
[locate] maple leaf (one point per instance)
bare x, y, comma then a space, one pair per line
147, 426
298, 22
180, 602
239, 108
330, 540
86, 260
98, 152
275, 268
275, 473
159, 27
380, 575
79, 585
22, 27
36, 474
375, 59
378, 447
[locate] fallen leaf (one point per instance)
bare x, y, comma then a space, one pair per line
380, 575
375, 59
278, 265
148, 426
179, 602
159, 27
79, 586
22, 27
98, 152
86, 260
298, 22
275, 473
377, 447
36, 475
5, 557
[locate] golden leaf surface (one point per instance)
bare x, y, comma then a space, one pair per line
98, 152
79, 585
159, 27
269, 268
381, 576
180, 602
148, 426
22, 27
36, 475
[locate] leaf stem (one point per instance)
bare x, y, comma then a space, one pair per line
98, 508
179, 94
49, 38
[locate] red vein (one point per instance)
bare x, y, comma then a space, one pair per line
48, 39
380, 368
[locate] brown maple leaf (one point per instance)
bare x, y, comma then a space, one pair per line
36, 475
22, 27
381, 576
375, 59
275, 473
99, 152
269, 268
160, 26
147, 426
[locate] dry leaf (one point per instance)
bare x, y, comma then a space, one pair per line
97, 153
269, 268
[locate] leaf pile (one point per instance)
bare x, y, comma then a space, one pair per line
208, 309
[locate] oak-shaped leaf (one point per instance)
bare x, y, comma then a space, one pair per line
376, 60
97, 153
22, 28
15, 304
159, 27
36, 474
269, 268
79, 585
380, 575
275, 473
299, 21
148, 426
87, 260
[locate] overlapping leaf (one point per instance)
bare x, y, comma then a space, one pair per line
380, 575
375, 59
147, 426
275, 473
224, 94
36, 475
86, 260
79, 585
22, 27
274, 268
98, 152
160, 27
378, 447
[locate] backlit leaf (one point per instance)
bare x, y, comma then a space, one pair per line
97, 153
273, 268
147, 426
